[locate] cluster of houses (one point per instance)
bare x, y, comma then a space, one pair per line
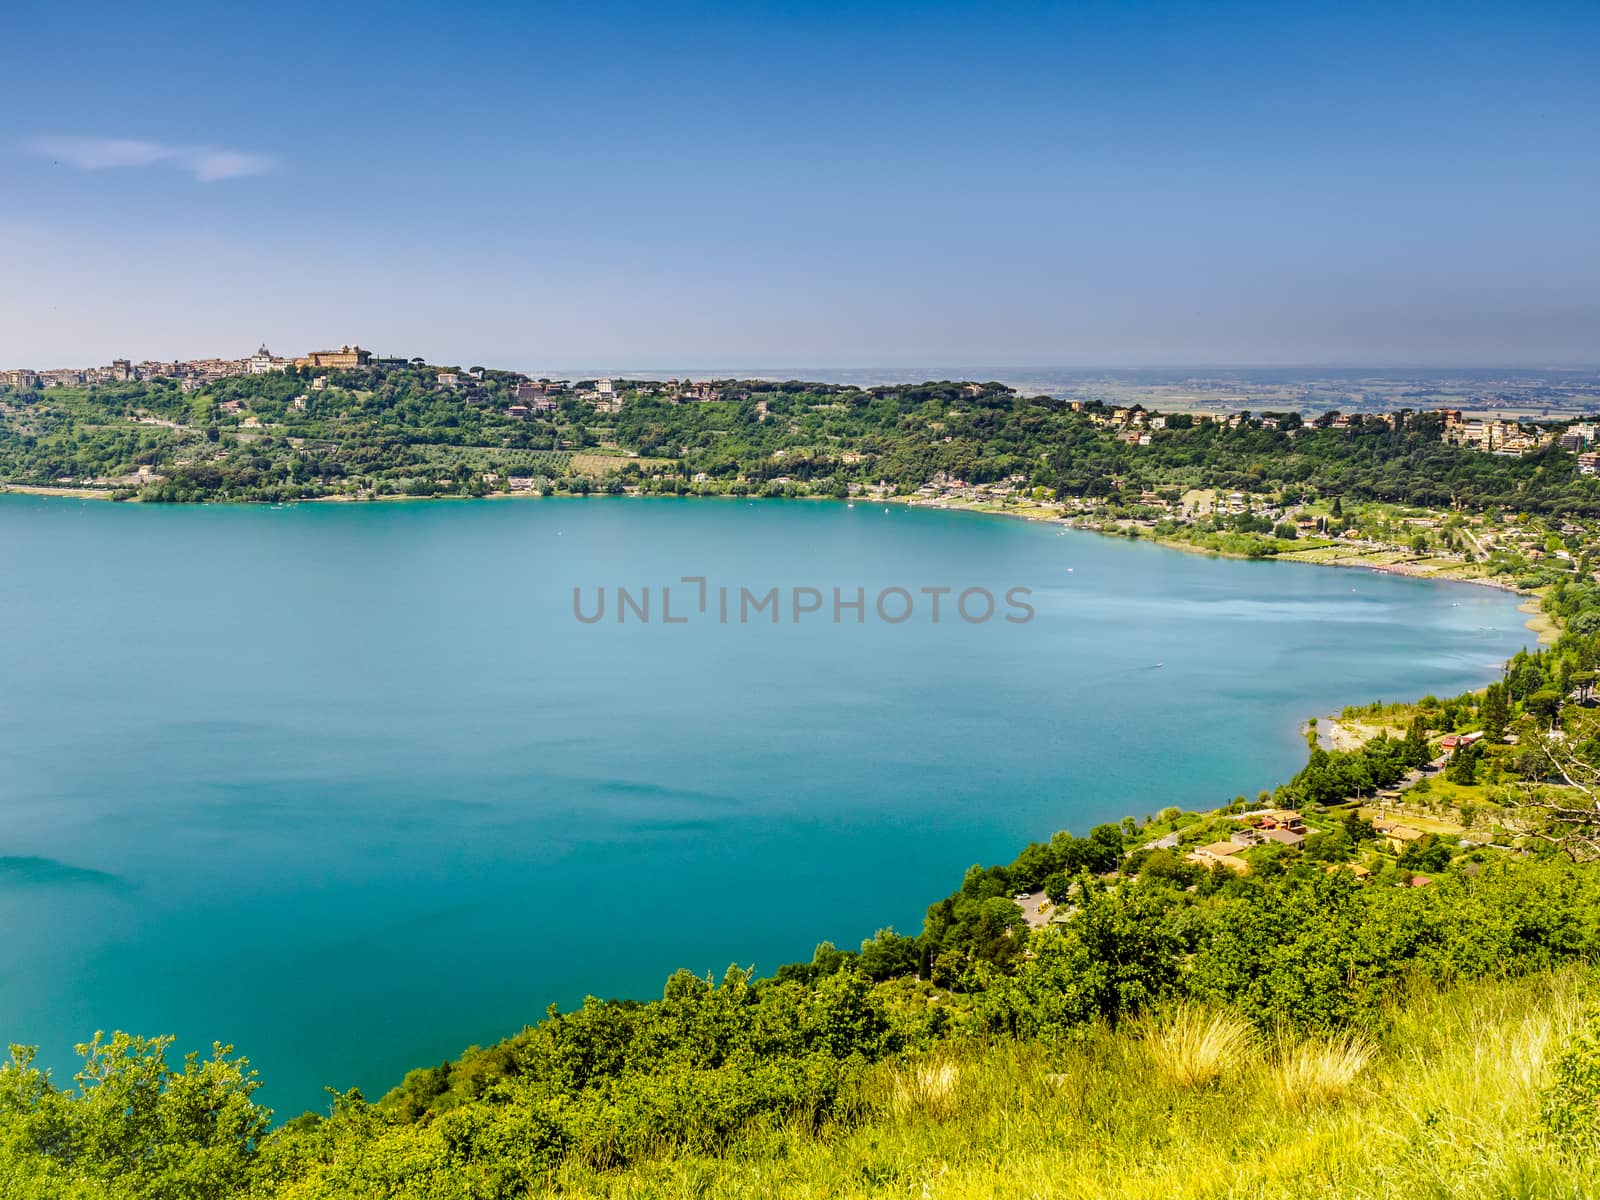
535, 397
1285, 827
193, 373
1277, 826
1531, 542
25, 379
946, 487
1134, 426
1513, 438
604, 395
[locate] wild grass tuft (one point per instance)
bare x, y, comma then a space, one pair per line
1194, 1046
925, 1089
1320, 1072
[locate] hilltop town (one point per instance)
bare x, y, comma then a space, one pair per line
194, 374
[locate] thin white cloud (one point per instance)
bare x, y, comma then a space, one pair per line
207, 164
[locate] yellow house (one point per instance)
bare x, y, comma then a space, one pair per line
1397, 836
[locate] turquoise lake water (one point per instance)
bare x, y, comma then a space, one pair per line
350, 787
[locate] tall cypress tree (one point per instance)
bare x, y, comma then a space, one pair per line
1495, 712
1416, 743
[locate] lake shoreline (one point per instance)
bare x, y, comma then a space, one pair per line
1539, 622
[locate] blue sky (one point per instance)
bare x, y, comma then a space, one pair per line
827, 184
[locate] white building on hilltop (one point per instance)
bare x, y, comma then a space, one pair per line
263, 361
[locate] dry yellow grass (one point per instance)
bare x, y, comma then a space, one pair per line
1193, 1046
1319, 1072
927, 1089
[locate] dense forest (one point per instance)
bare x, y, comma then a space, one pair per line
395, 431
1325, 962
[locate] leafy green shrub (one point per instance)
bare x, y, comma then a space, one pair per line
1569, 1108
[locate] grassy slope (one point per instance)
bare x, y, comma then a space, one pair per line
1447, 1108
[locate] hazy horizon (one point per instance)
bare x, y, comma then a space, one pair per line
713, 368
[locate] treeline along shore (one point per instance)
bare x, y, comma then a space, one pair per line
1368, 980
1421, 493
